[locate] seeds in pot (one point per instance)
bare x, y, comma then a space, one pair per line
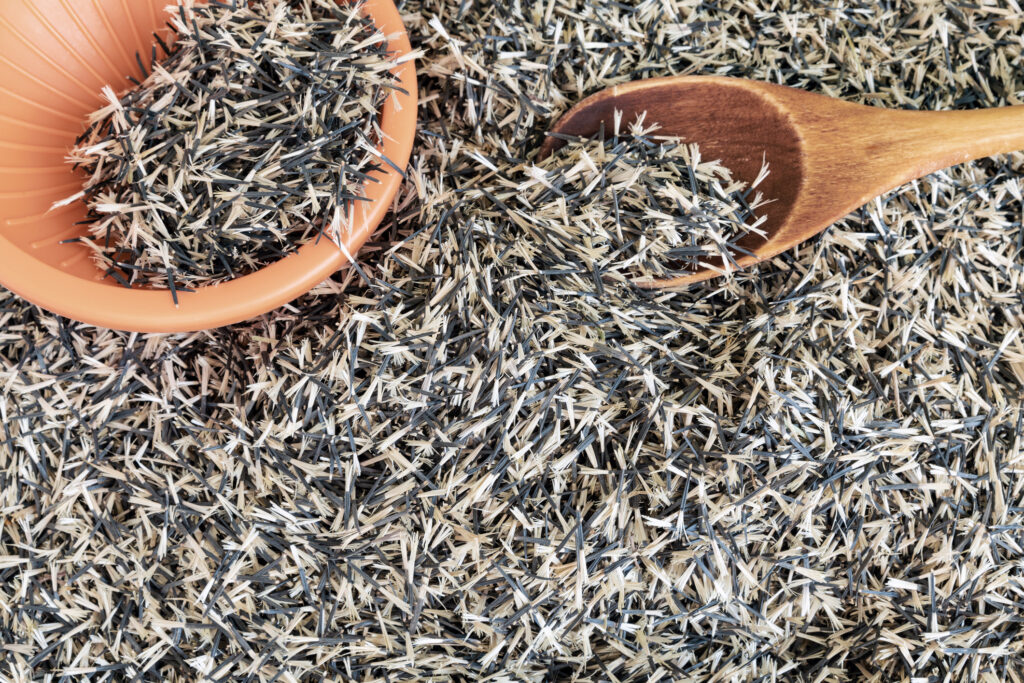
253, 136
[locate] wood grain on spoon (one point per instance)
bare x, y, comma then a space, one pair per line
827, 157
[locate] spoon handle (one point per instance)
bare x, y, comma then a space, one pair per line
935, 140
854, 153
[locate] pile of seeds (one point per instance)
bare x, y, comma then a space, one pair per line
253, 136
455, 464
636, 206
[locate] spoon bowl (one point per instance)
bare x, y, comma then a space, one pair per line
827, 157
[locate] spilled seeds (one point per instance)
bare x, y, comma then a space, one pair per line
456, 464
252, 137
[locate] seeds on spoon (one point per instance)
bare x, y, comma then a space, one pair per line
640, 206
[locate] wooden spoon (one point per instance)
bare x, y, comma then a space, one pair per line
827, 157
